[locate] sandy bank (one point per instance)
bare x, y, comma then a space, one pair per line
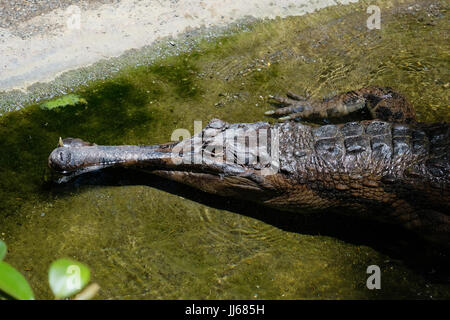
44, 46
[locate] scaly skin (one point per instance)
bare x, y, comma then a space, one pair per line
391, 168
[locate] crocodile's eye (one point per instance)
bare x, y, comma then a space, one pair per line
64, 156
60, 159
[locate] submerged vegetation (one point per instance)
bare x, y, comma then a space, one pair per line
147, 243
65, 277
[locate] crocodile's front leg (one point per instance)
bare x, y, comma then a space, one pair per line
409, 182
382, 104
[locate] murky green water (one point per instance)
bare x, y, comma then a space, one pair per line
145, 238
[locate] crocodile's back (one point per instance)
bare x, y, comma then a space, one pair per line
396, 169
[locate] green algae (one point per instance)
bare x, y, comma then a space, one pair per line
64, 101
168, 242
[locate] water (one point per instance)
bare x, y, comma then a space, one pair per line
146, 238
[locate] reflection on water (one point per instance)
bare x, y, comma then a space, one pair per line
144, 237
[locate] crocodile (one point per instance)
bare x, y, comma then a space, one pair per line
389, 167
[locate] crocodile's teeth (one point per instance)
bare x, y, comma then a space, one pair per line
268, 113
60, 142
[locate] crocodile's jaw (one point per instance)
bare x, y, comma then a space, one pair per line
215, 178
201, 166
242, 187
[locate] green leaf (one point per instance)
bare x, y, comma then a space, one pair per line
67, 100
3, 249
67, 277
13, 283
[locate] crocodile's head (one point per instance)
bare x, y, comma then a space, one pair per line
225, 159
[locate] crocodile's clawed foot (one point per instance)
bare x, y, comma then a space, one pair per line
292, 107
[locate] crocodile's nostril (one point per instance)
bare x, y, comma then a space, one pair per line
61, 156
